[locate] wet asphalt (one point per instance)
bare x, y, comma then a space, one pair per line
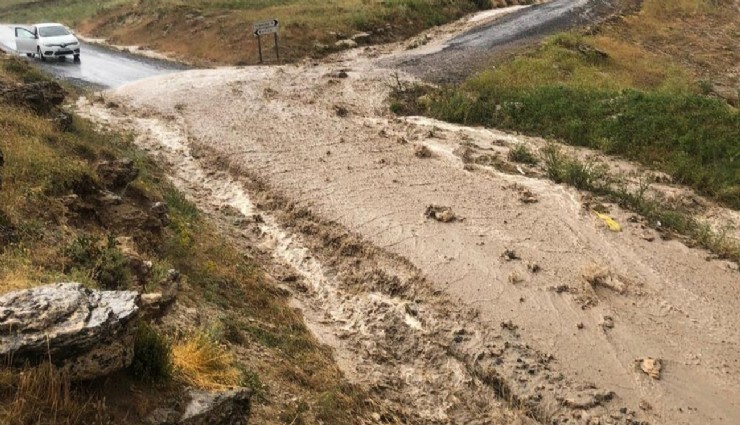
468, 52
99, 67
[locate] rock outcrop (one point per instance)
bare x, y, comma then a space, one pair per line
86, 332
42, 97
206, 408
117, 174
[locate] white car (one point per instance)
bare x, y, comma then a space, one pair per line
47, 40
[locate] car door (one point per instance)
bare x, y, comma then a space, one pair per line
25, 41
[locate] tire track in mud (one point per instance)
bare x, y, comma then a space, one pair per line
423, 359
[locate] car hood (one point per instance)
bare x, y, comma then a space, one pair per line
62, 39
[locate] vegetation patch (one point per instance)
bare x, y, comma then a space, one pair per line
152, 356
605, 93
202, 363
56, 227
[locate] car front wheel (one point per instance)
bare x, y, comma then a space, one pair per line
41, 55
77, 58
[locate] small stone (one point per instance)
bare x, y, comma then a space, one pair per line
421, 151
607, 322
224, 408
439, 213
651, 366
510, 255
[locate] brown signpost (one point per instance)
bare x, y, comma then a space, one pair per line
265, 28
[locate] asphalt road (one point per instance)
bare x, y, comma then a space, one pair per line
463, 55
467, 52
99, 67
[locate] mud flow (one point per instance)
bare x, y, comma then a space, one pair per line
454, 285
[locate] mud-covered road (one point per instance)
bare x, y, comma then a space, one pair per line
463, 54
526, 299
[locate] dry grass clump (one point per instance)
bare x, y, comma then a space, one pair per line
202, 363
45, 395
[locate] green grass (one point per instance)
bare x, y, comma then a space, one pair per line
605, 95
592, 177
690, 136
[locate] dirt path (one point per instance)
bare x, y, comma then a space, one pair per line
536, 300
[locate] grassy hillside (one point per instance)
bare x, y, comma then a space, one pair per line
615, 90
220, 30
659, 86
54, 227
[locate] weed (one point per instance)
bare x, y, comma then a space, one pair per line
520, 153
592, 177
46, 392
251, 379
112, 270
562, 169
83, 252
202, 363
152, 361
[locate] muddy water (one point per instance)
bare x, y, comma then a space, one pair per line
435, 390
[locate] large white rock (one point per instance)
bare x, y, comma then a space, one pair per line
86, 332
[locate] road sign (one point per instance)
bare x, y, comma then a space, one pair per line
267, 27
263, 25
265, 31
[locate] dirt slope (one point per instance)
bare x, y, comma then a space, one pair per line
326, 160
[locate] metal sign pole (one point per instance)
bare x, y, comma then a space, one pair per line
259, 46
265, 28
277, 47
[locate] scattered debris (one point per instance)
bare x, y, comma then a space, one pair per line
509, 325
515, 278
345, 44
607, 323
561, 288
342, 73
510, 255
580, 325
534, 267
602, 277
610, 223
527, 197
341, 111
442, 214
652, 367
644, 405
422, 151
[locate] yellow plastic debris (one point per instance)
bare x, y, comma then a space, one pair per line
610, 222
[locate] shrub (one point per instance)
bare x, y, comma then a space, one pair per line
571, 171
112, 270
82, 253
202, 363
152, 356
520, 153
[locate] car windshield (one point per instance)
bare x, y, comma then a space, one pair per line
54, 31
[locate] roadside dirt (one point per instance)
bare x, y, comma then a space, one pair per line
524, 301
